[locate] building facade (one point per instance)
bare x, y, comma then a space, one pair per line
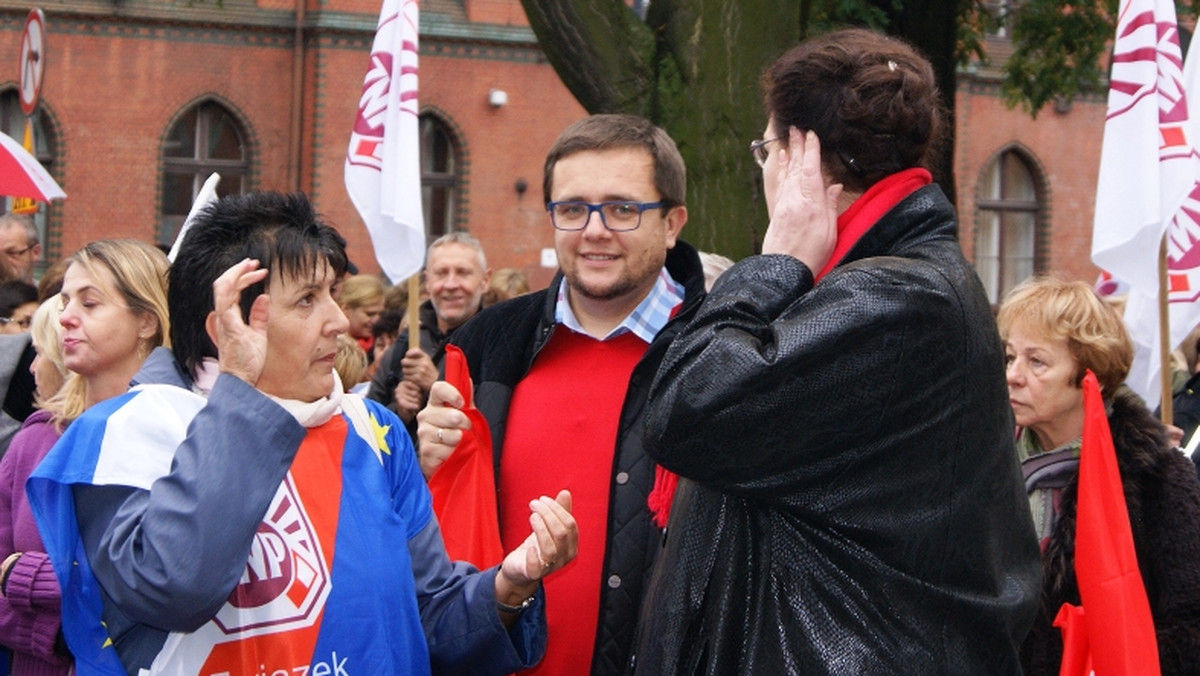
142, 99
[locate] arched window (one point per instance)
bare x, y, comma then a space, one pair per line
1006, 237
205, 139
439, 176
12, 122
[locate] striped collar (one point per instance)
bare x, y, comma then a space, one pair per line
646, 320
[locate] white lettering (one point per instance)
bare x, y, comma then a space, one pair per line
266, 554
373, 102
339, 667
320, 669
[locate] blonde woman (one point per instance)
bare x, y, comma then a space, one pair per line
98, 331
49, 372
362, 301
1053, 331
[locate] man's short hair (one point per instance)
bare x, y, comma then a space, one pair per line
613, 131
461, 238
25, 221
281, 231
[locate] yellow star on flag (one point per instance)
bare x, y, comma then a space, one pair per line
380, 435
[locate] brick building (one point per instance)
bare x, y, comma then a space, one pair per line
143, 98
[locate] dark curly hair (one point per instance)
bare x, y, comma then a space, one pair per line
872, 100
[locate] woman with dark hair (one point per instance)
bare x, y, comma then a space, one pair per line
1053, 332
238, 512
850, 501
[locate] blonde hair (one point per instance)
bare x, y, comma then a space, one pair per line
505, 283
139, 271
1071, 311
350, 362
360, 291
46, 335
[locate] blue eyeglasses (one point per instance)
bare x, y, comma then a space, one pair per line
616, 216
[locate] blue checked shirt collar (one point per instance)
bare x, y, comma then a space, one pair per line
646, 320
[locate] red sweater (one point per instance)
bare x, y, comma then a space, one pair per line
562, 433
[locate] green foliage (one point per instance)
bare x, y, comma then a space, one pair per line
1060, 50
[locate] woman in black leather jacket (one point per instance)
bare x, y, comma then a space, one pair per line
850, 501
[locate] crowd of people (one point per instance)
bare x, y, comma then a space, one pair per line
832, 457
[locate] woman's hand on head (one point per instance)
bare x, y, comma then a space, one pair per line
804, 216
241, 346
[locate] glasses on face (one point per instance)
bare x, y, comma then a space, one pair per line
759, 149
13, 253
24, 322
616, 216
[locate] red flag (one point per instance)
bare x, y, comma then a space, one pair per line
464, 486
1120, 629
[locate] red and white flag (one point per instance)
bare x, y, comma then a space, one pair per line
1148, 182
383, 171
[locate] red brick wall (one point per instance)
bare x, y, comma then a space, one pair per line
113, 89
114, 86
1065, 153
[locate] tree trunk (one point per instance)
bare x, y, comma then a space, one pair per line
694, 66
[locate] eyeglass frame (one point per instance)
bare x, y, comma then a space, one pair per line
598, 208
23, 323
19, 252
758, 150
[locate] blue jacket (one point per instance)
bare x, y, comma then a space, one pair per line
177, 540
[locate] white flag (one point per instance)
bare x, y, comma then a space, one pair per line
383, 172
1148, 167
206, 196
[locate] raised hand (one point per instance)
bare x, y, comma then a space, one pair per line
241, 346
804, 216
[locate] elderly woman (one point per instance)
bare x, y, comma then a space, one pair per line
1053, 331
239, 513
850, 499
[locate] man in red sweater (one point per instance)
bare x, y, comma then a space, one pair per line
562, 377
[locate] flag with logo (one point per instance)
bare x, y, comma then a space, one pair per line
1147, 186
1114, 632
382, 171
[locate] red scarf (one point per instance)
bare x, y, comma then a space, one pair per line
870, 207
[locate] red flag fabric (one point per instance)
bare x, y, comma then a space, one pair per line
464, 486
1120, 629
1076, 657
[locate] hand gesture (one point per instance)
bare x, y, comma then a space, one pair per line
440, 426
241, 347
553, 544
804, 216
419, 369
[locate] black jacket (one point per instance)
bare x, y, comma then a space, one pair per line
500, 344
852, 501
388, 374
1163, 499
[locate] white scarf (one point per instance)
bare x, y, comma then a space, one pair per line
307, 413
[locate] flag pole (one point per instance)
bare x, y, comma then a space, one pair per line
414, 320
1166, 412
